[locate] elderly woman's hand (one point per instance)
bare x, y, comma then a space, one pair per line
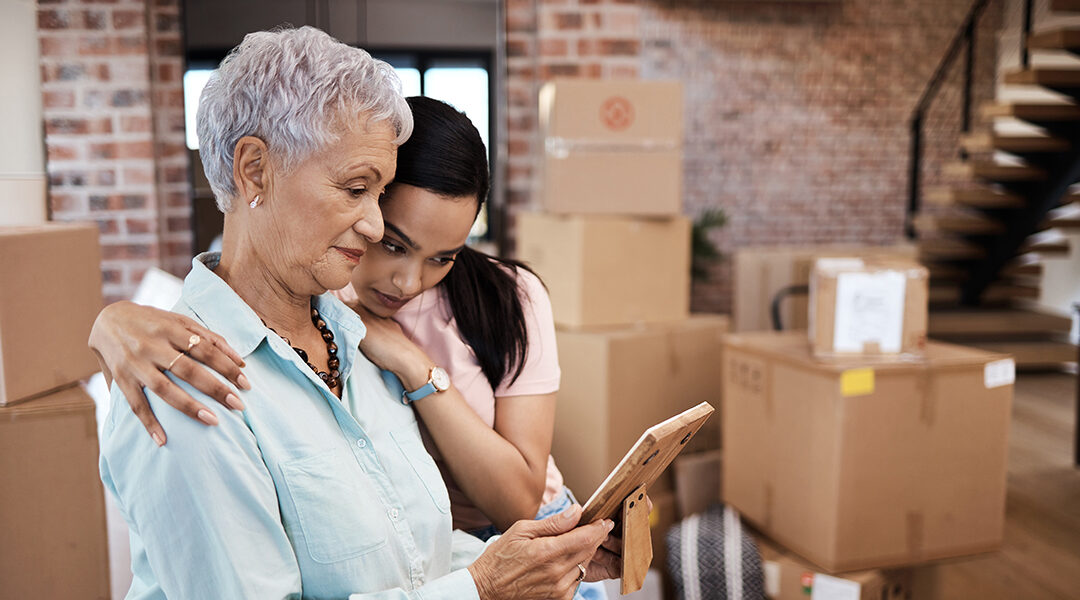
539, 559
135, 345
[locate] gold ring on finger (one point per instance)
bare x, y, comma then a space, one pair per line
169, 368
192, 342
581, 574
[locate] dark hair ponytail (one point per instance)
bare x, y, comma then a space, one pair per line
446, 155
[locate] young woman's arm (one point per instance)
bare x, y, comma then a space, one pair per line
136, 344
502, 470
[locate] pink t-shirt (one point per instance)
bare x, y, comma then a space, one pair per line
427, 320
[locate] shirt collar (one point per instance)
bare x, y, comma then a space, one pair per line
222, 310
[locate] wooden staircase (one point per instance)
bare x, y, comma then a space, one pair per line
1003, 212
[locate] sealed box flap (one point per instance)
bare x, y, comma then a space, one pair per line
601, 112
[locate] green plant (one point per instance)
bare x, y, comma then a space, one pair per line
703, 251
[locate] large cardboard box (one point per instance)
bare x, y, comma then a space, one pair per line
788, 577
52, 506
50, 293
857, 464
611, 147
868, 306
618, 383
604, 271
762, 272
697, 481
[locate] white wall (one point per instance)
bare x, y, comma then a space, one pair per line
22, 153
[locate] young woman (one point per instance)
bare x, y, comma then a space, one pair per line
430, 304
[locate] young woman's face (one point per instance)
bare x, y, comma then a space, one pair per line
422, 236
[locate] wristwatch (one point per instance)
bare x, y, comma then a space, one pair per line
438, 381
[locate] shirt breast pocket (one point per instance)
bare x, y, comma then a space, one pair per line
424, 467
339, 517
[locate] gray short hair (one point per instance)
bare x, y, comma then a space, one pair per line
293, 89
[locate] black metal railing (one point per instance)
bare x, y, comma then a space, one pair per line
964, 39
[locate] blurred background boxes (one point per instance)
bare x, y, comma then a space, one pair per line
763, 271
788, 577
50, 294
607, 270
873, 306
611, 147
857, 463
617, 383
697, 481
52, 505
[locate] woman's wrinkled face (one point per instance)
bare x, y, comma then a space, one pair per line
423, 234
324, 215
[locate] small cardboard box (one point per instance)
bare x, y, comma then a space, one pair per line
787, 577
52, 505
875, 306
697, 481
618, 383
604, 271
859, 463
50, 294
611, 147
762, 272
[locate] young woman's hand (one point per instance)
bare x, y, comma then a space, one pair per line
136, 344
386, 345
539, 559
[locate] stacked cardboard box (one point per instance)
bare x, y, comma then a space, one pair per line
614, 252
53, 515
866, 462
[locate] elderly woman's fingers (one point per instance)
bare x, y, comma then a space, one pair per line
141, 407
604, 565
613, 543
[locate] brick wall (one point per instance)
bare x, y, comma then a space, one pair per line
113, 110
796, 113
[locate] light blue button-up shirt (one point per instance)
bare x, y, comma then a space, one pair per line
295, 496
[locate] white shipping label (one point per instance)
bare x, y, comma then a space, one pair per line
999, 373
772, 578
833, 588
869, 309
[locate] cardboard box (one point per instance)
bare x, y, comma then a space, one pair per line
697, 481
787, 577
618, 383
762, 272
53, 505
868, 306
611, 147
858, 464
604, 271
50, 294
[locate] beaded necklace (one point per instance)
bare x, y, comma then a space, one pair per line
331, 378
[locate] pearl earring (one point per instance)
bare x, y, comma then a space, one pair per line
255, 201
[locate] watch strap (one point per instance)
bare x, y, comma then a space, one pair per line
423, 392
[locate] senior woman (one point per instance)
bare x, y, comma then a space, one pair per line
292, 495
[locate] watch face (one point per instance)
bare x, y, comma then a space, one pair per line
440, 379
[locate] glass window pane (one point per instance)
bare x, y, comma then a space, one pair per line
465, 88
194, 82
410, 81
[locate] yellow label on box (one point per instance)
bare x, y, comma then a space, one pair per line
654, 516
857, 382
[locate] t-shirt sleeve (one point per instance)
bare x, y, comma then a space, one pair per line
540, 374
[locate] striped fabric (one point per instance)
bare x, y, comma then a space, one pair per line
711, 558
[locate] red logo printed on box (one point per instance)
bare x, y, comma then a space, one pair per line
616, 113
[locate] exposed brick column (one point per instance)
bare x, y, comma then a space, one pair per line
102, 135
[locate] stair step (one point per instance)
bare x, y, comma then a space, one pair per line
1064, 218
1034, 112
992, 171
945, 293
1056, 246
1065, 5
976, 198
1033, 354
1023, 267
949, 249
991, 322
958, 223
1019, 144
1066, 38
1069, 78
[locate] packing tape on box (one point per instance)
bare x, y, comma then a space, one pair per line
559, 147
